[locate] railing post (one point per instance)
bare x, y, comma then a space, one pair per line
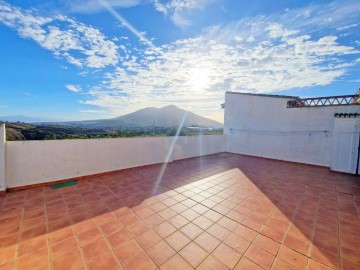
2, 158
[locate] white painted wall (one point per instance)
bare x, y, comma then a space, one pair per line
263, 126
32, 162
2, 157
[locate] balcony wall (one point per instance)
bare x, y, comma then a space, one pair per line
33, 162
263, 126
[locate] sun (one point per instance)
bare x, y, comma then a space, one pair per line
199, 79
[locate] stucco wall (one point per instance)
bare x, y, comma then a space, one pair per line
2, 157
32, 162
263, 126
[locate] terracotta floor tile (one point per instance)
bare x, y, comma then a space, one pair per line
160, 253
127, 251
292, 257
207, 241
189, 203
148, 239
178, 221
237, 243
70, 261
218, 231
85, 225
9, 240
7, 253
246, 264
157, 207
105, 218
351, 254
118, 238
89, 236
193, 254
32, 233
177, 240
191, 230
141, 262
122, 212
167, 213
107, 261
32, 244
212, 215
200, 208
227, 223
58, 224
226, 255
297, 245
7, 266
190, 214
275, 234
203, 222
310, 211
178, 208
63, 247
349, 265
325, 257
315, 265
164, 229
95, 249
111, 227
34, 260
145, 212
267, 244
138, 228
210, 263
154, 220
236, 216
245, 232
259, 256
281, 265
176, 263
129, 219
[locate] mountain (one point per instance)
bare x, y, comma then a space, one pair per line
168, 116
25, 119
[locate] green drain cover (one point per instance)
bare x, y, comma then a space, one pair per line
64, 184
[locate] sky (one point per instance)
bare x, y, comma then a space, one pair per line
77, 60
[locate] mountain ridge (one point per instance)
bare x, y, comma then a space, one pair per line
166, 116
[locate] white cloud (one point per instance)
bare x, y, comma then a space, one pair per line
180, 10
79, 44
276, 59
347, 27
94, 6
73, 88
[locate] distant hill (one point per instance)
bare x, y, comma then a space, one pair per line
168, 116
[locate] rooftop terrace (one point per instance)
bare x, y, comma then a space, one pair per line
222, 211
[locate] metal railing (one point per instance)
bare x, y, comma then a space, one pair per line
324, 101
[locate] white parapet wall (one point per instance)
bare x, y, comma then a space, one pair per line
2, 157
34, 162
261, 125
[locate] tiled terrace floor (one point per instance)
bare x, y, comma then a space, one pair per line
216, 212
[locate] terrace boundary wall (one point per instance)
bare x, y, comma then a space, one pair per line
35, 162
263, 126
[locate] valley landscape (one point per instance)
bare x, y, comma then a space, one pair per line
145, 122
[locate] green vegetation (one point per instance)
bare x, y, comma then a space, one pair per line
22, 131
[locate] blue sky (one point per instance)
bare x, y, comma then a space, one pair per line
73, 59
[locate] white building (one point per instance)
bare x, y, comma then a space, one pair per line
319, 131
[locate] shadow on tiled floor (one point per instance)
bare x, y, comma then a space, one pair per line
222, 211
